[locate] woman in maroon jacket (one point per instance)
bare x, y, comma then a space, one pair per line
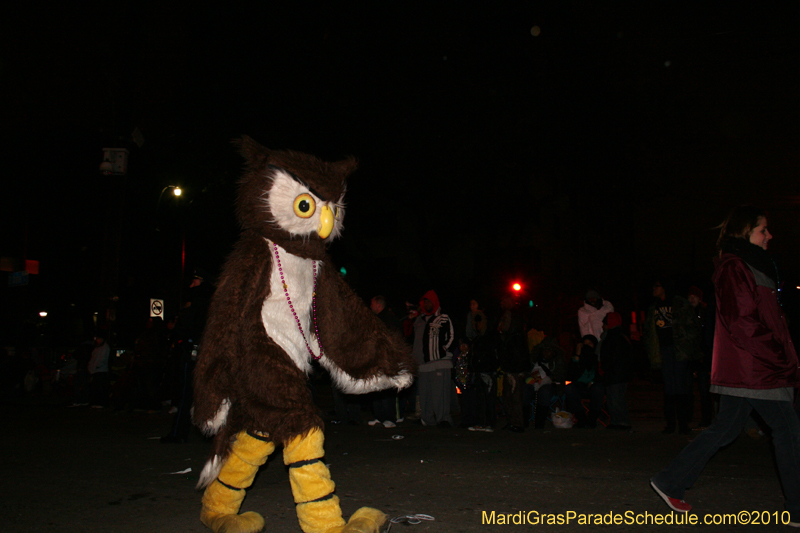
754, 365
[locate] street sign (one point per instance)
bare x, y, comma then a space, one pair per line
18, 279
115, 161
156, 308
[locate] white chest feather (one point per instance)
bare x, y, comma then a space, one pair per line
280, 320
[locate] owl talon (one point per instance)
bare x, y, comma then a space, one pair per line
365, 520
223, 497
248, 522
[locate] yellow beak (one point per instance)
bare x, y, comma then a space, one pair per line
325, 222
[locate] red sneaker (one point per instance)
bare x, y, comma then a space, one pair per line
675, 504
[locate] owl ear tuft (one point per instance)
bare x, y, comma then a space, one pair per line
254, 153
346, 166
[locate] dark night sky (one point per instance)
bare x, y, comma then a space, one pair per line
598, 152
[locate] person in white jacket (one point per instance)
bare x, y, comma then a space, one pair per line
591, 315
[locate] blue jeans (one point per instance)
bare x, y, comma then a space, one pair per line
576, 391
486, 398
407, 401
434, 396
733, 413
348, 406
617, 405
543, 397
469, 404
677, 377
384, 405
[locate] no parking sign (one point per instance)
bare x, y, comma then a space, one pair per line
156, 308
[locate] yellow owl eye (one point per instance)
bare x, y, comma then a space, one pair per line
304, 206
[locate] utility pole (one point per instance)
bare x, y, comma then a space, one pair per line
115, 166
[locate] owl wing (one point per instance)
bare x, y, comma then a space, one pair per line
236, 303
360, 352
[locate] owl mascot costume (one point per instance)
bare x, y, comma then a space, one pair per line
279, 305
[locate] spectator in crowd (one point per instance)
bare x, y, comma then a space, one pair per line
688, 336
433, 335
98, 373
384, 403
464, 377
188, 332
534, 336
65, 376
171, 381
408, 398
585, 383
667, 343
485, 365
82, 355
590, 316
701, 364
150, 354
476, 321
379, 307
347, 407
547, 379
755, 366
515, 363
616, 363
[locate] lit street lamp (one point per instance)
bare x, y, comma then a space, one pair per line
177, 192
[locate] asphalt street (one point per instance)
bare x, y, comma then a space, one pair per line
94, 470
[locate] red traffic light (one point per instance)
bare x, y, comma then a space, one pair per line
517, 287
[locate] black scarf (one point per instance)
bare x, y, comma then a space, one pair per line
753, 255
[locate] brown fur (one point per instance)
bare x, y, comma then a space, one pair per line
238, 360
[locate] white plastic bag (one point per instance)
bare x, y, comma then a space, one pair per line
562, 420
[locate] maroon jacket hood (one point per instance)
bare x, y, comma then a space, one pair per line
430, 295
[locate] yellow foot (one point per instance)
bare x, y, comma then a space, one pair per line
365, 520
249, 522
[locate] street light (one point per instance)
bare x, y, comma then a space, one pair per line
177, 192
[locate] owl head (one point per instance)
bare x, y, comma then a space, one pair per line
291, 198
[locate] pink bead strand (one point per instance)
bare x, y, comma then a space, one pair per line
313, 305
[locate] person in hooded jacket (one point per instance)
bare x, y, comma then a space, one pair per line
754, 365
433, 335
591, 315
